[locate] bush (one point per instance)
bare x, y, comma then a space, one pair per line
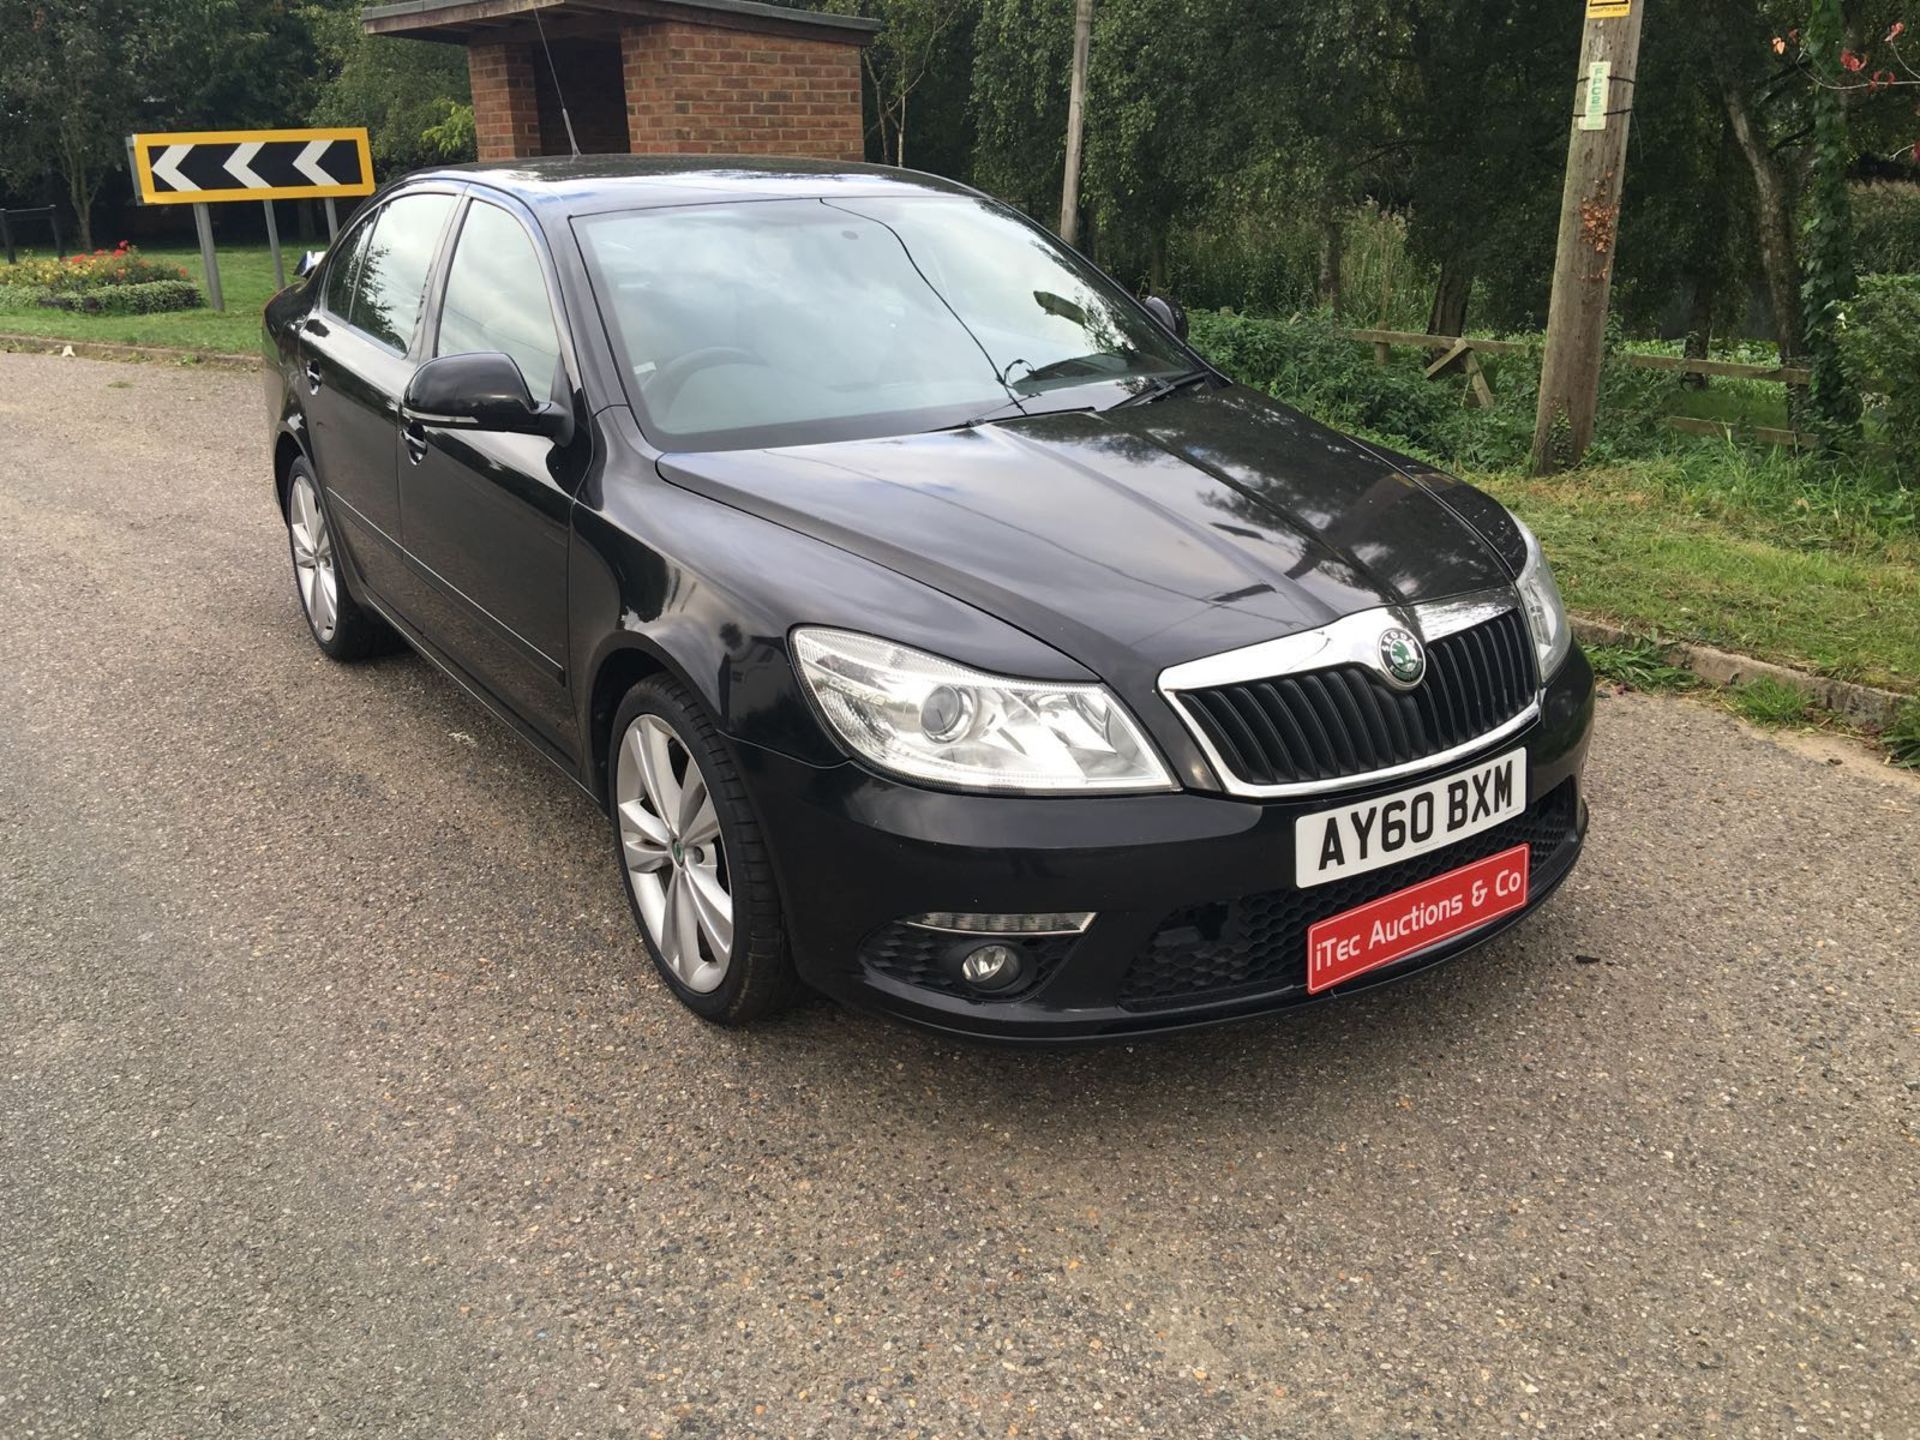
1880, 346
1307, 362
122, 265
1902, 738
1809, 501
1886, 228
146, 298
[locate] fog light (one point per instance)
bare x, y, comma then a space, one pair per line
991, 967
1055, 922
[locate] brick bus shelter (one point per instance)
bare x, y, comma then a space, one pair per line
713, 77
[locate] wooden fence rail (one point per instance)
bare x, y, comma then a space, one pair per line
1459, 351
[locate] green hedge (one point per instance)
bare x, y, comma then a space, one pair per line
1305, 361
146, 298
1886, 229
1880, 345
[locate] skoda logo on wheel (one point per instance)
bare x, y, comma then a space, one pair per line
1403, 658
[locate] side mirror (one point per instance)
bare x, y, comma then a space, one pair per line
482, 392
1169, 313
309, 263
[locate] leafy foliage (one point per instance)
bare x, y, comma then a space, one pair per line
1879, 337
145, 297
916, 37
1902, 738
1766, 701
1830, 280
69, 91
1886, 229
413, 96
123, 265
1640, 665
1307, 362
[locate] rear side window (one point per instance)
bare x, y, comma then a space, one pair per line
342, 267
497, 297
393, 273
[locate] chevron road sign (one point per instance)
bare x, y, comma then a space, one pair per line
202, 166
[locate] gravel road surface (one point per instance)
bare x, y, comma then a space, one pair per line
336, 1097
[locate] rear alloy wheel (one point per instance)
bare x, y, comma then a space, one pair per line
694, 863
340, 627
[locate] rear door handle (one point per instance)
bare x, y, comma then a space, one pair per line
416, 438
313, 378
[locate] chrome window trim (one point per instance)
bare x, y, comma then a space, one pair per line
1350, 640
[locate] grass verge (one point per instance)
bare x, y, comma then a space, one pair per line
1640, 665
246, 275
1902, 738
1648, 548
1767, 701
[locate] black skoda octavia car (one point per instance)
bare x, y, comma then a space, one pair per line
937, 630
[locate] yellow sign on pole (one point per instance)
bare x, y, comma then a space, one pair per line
1609, 9
199, 167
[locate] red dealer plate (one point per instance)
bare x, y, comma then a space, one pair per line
1393, 927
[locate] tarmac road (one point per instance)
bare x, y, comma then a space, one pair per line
336, 1098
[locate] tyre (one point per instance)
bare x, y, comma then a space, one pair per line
341, 628
693, 859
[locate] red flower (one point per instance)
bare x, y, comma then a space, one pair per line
1899, 29
1779, 46
1881, 80
1853, 62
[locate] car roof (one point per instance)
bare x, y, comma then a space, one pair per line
587, 183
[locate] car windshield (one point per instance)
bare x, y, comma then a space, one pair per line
778, 322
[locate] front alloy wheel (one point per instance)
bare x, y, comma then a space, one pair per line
676, 860
694, 862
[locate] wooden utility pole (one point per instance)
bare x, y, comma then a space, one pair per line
1076, 121
1589, 227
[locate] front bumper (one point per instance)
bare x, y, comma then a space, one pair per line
1196, 921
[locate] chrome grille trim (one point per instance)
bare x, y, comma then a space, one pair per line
1352, 640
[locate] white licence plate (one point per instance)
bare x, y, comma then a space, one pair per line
1354, 839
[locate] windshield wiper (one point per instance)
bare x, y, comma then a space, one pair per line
1016, 410
1162, 386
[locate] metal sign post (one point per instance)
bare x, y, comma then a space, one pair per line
273, 243
207, 167
203, 222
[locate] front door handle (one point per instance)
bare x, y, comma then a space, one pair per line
416, 438
313, 378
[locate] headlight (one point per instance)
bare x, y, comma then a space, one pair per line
925, 718
1546, 611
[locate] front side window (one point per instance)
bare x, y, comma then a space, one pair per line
782, 321
393, 273
497, 297
343, 267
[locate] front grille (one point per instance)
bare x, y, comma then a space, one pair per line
1258, 943
930, 959
1347, 721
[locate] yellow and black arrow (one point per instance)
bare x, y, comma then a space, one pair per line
199, 167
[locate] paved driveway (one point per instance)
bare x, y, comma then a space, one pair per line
335, 1098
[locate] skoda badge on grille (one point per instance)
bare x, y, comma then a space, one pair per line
1402, 657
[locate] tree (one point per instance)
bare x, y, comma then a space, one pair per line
413, 96
71, 76
917, 39
1830, 283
